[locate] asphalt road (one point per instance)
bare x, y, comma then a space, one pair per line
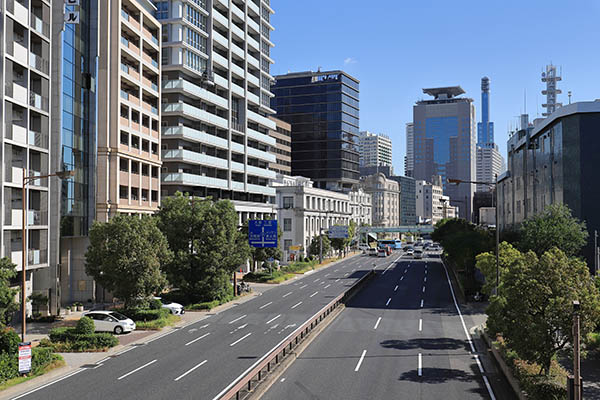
202, 359
399, 337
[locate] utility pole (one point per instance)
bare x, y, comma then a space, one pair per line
595, 252
495, 193
576, 352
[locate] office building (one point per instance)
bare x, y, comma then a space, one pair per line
490, 162
431, 204
554, 162
408, 196
409, 158
482, 199
444, 143
387, 170
374, 150
361, 209
322, 108
283, 147
25, 47
216, 101
385, 199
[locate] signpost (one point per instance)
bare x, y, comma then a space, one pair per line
24, 357
338, 232
262, 233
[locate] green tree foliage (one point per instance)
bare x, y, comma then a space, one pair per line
341, 244
533, 309
207, 245
486, 263
125, 256
554, 227
8, 305
85, 326
314, 248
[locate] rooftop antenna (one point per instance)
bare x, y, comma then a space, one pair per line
569, 94
525, 101
319, 68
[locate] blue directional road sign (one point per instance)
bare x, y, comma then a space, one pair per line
262, 233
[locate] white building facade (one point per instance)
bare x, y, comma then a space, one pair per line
374, 149
361, 207
490, 164
431, 204
409, 158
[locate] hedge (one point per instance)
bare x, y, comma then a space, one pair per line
41, 358
145, 315
80, 342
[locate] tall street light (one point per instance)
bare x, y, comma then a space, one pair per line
495, 184
26, 179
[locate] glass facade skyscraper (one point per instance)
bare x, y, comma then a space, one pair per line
323, 109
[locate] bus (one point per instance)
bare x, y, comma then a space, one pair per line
395, 244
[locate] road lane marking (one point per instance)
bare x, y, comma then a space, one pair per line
238, 328
265, 305
296, 305
287, 294
317, 280
237, 319
302, 287
481, 370
377, 323
425, 279
203, 326
198, 338
49, 383
327, 286
396, 288
328, 274
240, 339
388, 302
420, 324
191, 370
282, 380
273, 319
136, 370
337, 279
405, 270
362, 357
420, 369
425, 272
401, 278
421, 303
423, 289
313, 294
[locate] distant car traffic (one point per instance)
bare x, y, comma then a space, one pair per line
418, 254
372, 251
382, 252
364, 248
409, 251
111, 321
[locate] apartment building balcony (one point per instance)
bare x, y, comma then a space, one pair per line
219, 59
196, 113
237, 147
15, 132
239, 186
252, 42
39, 26
253, 25
260, 154
39, 63
19, 52
183, 178
17, 90
222, 40
220, 81
261, 137
150, 38
133, 72
149, 84
238, 90
130, 19
261, 120
235, 10
237, 70
218, 17
262, 172
38, 139
237, 31
237, 50
195, 136
151, 61
131, 98
253, 61
38, 101
266, 190
237, 167
18, 10
197, 91
252, 98
194, 158
253, 80
130, 45
150, 107
253, 7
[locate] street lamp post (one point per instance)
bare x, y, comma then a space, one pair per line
495, 184
26, 179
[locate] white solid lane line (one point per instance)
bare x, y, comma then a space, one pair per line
49, 383
327, 286
396, 288
263, 306
421, 303
273, 319
313, 294
377, 323
388, 302
237, 319
184, 374
362, 357
420, 365
136, 370
302, 287
420, 324
296, 305
198, 338
287, 294
240, 339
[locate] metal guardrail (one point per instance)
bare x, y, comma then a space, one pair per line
242, 386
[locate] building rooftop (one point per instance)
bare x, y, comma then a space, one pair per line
315, 74
446, 92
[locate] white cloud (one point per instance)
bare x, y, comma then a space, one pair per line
350, 60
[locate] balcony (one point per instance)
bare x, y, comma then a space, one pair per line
261, 137
253, 25
131, 71
41, 27
222, 40
252, 98
252, 79
196, 91
39, 63
262, 172
20, 12
266, 190
37, 257
183, 178
261, 120
238, 32
37, 218
196, 136
38, 101
38, 139
150, 37
253, 61
238, 71
194, 157
20, 53
260, 154
129, 18
253, 7
235, 10
238, 90
220, 81
218, 17
237, 147
146, 57
16, 133
237, 167
253, 43
149, 107
149, 84
195, 113
235, 49
219, 59
17, 91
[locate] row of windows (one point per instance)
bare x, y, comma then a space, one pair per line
126, 165
196, 40
135, 192
135, 143
195, 61
196, 18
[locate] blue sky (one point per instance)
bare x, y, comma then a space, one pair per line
396, 48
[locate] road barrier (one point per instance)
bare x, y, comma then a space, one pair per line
243, 385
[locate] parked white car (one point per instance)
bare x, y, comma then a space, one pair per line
175, 308
111, 321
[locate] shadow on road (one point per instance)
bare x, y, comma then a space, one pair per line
443, 375
427, 344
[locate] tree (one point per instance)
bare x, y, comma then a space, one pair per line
8, 305
125, 256
315, 246
486, 263
554, 227
533, 309
207, 245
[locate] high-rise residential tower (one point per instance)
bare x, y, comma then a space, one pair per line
444, 143
490, 162
375, 150
409, 159
215, 102
322, 108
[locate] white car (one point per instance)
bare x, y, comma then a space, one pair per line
409, 251
111, 321
418, 254
364, 248
175, 308
372, 251
381, 253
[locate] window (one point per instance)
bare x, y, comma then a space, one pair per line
287, 224
155, 172
154, 148
123, 192
135, 142
135, 167
288, 202
286, 244
196, 40
155, 195
125, 138
162, 9
145, 146
144, 194
124, 165
194, 61
134, 193
196, 18
145, 169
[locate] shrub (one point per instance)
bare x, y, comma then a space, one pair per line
593, 341
9, 366
41, 358
9, 341
145, 315
155, 304
80, 342
85, 325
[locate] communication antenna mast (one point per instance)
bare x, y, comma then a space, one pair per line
550, 77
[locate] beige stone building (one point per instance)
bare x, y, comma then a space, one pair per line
385, 199
128, 109
283, 147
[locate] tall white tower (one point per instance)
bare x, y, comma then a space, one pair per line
551, 77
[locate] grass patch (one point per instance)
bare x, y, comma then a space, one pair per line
281, 278
157, 324
209, 305
58, 362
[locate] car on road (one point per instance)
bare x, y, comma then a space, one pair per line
418, 254
110, 321
382, 252
409, 251
364, 248
372, 251
174, 308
